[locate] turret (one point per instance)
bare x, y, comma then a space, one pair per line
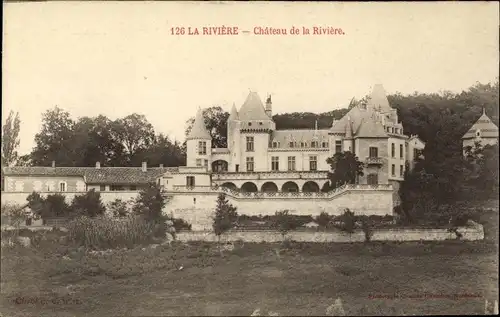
269, 107
348, 139
199, 143
232, 128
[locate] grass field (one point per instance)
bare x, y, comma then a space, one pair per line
303, 279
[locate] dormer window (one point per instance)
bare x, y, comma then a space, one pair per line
291, 144
275, 144
249, 124
260, 123
313, 143
325, 144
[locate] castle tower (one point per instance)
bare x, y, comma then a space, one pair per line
199, 143
233, 138
348, 138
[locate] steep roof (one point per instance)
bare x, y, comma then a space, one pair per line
103, 175
234, 114
485, 125
253, 108
199, 130
371, 129
378, 99
356, 114
285, 136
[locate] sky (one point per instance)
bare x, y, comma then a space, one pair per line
119, 58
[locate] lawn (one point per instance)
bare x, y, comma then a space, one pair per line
303, 279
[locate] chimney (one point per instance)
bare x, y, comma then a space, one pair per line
53, 164
144, 166
98, 165
161, 165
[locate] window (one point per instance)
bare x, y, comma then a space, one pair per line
372, 179
338, 146
249, 143
275, 163
325, 144
133, 187
314, 143
275, 144
302, 144
401, 170
102, 188
206, 163
291, 144
373, 151
190, 181
416, 153
198, 162
393, 170
291, 163
237, 167
116, 187
393, 150
62, 186
249, 124
313, 163
202, 148
401, 151
250, 166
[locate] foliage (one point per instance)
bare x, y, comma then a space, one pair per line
283, 222
216, 123
324, 219
150, 203
37, 204
107, 233
367, 227
88, 204
181, 224
10, 139
118, 208
225, 216
345, 168
347, 221
14, 213
55, 206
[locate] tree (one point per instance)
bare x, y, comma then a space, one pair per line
134, 132
367, 227
56, 206
348, 221
10, 139
37, 204
55, 141
150, 203
283, 222
118, 208
323, 220
345, 168
225, 216
161, 151
216, 123
88, 204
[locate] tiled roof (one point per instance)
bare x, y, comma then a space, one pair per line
356, 114
103, 175
371, 129
253, 108
485, 125
378, 99
286, 136
199, 130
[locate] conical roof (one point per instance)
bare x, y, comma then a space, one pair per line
199, 130
253, 108
378, 99
234, 114
485, 125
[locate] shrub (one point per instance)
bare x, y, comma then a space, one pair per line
13, 214
323, 220
37, 204
88, 204
150, 203
181, 224
367, 227
118, 208
107, 233
55, 206
225, 216
347, 221
283, 222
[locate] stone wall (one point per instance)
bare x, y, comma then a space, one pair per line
469, 234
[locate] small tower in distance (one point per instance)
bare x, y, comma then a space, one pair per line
269, 107
199, 143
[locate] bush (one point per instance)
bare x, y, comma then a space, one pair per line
181, 224
55, 206
283, 222
150, 203
347, 221
108, 233
13, 214
118, 208
367, 227
225, 216
88, 204
324, 220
